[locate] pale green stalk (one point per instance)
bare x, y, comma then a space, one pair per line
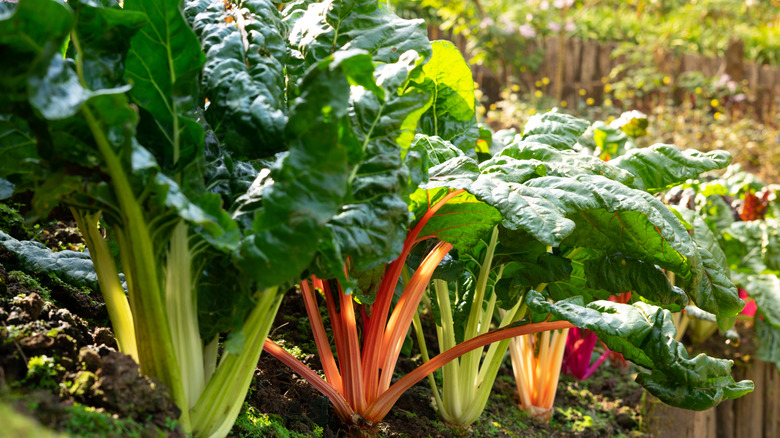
108, 277
221, 401
182, 306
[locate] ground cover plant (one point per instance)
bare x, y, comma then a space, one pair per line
229, 151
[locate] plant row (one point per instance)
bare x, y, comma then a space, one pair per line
232, 151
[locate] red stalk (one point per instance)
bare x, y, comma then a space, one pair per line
327, 389
372, 336
401, 319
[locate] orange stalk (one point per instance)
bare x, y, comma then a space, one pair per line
332, 374
381, 406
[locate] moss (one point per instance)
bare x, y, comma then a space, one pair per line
88, 421
252, 424
12, 223
30, 283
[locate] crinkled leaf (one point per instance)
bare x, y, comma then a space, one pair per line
644, 334
330, 25
244, 78
768, 342
565, 162
662, 166
618, 274
555, 129
72, 267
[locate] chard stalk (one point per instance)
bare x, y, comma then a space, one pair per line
182, 307
218, 406
108, 277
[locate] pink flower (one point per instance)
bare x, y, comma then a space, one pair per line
544, 5
526, 31
553, 26
570, 27
486, 22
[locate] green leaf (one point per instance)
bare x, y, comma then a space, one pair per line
72, 267
644, 334
565, 162
31, 36
555, 129
325, 27
163, 65
103, 34
452, 115
618, 274
662, 166
244, 75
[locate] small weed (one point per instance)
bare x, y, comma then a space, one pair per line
30, 283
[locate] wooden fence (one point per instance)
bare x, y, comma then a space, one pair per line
756, 415
587, 62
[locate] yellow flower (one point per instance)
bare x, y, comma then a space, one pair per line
545, 80
607, 102
590, 101
515, 88
563, 103
538, 84
538, 93
717, 115
604, 80
522, 69
607, 88
492, 107
532, 111
583, 92
714, 103
667, 80
699, 135
610, 119
698, 90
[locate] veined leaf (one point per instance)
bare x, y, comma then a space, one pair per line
765, 290
164, 63
662, 166
644, 334
244, 76
565, 162
452, 115
555, 129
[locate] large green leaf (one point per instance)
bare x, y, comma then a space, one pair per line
662, 166
72, 267
163, 64
768, 342
555, 129
452, 115
644, 334
307, 187
618, 274
244, 76
327, 26
565, 162
104, 31
31, 35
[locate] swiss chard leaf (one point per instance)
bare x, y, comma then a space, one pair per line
644, 334
555, 129
662, 166
452, 115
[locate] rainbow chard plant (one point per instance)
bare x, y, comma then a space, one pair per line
220, 158
542, 217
